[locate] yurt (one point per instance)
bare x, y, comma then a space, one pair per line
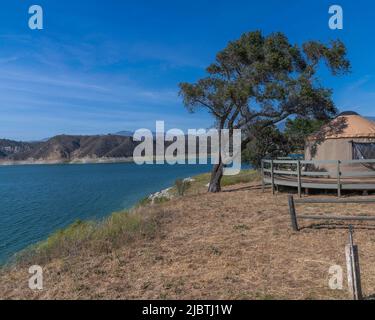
347, 137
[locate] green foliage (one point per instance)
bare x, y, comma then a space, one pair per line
268, 142
297, 131
258, 81
182, 186
266, 78
143, 202
160, 200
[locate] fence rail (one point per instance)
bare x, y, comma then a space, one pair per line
304, 174
295, 217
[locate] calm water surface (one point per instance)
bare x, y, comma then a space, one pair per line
35, 201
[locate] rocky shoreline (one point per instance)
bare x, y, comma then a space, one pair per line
165, 194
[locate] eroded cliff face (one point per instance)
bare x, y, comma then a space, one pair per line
68, 148
9, 148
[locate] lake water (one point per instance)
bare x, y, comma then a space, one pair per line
35, 201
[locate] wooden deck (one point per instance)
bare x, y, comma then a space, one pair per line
323, 183
293, 173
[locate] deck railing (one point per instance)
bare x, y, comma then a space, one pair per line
292, 173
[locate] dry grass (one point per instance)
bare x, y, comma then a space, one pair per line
234, 245
98, 237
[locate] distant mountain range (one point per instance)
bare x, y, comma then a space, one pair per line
73, 149
65, 148
70, 148
125, 133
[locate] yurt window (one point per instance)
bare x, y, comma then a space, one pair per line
363, 151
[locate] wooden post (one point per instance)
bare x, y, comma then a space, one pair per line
263, 177
273, 177
293, 215
338, 179
299, 178
353, 269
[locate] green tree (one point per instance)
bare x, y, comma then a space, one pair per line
258, 81
268, 142
298, 129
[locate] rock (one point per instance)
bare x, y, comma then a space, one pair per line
164, 194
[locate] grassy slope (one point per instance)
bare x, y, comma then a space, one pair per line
118, 229
237, 244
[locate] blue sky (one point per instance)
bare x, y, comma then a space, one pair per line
100, 66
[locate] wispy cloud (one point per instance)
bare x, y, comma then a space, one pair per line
358, 96
81, 87
358, 84
94, 84
79, 103
6, 60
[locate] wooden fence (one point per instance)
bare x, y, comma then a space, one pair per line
351, 250
297, 173
295, 217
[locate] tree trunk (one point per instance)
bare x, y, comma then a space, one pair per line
216, 176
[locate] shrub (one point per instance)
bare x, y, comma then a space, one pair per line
182, 186
160, 200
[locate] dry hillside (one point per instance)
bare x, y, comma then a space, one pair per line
234, 245
68, 148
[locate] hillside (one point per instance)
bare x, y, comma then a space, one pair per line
68, 148
234, 245
65, 148
9, 148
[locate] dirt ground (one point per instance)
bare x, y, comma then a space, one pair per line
234, 245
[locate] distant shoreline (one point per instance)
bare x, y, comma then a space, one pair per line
77, 161
82, 161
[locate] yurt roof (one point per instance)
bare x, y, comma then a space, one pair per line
346, 126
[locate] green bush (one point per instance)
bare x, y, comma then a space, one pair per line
143, 202
160, 200
182, 186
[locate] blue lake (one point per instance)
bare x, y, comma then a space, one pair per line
37, 200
